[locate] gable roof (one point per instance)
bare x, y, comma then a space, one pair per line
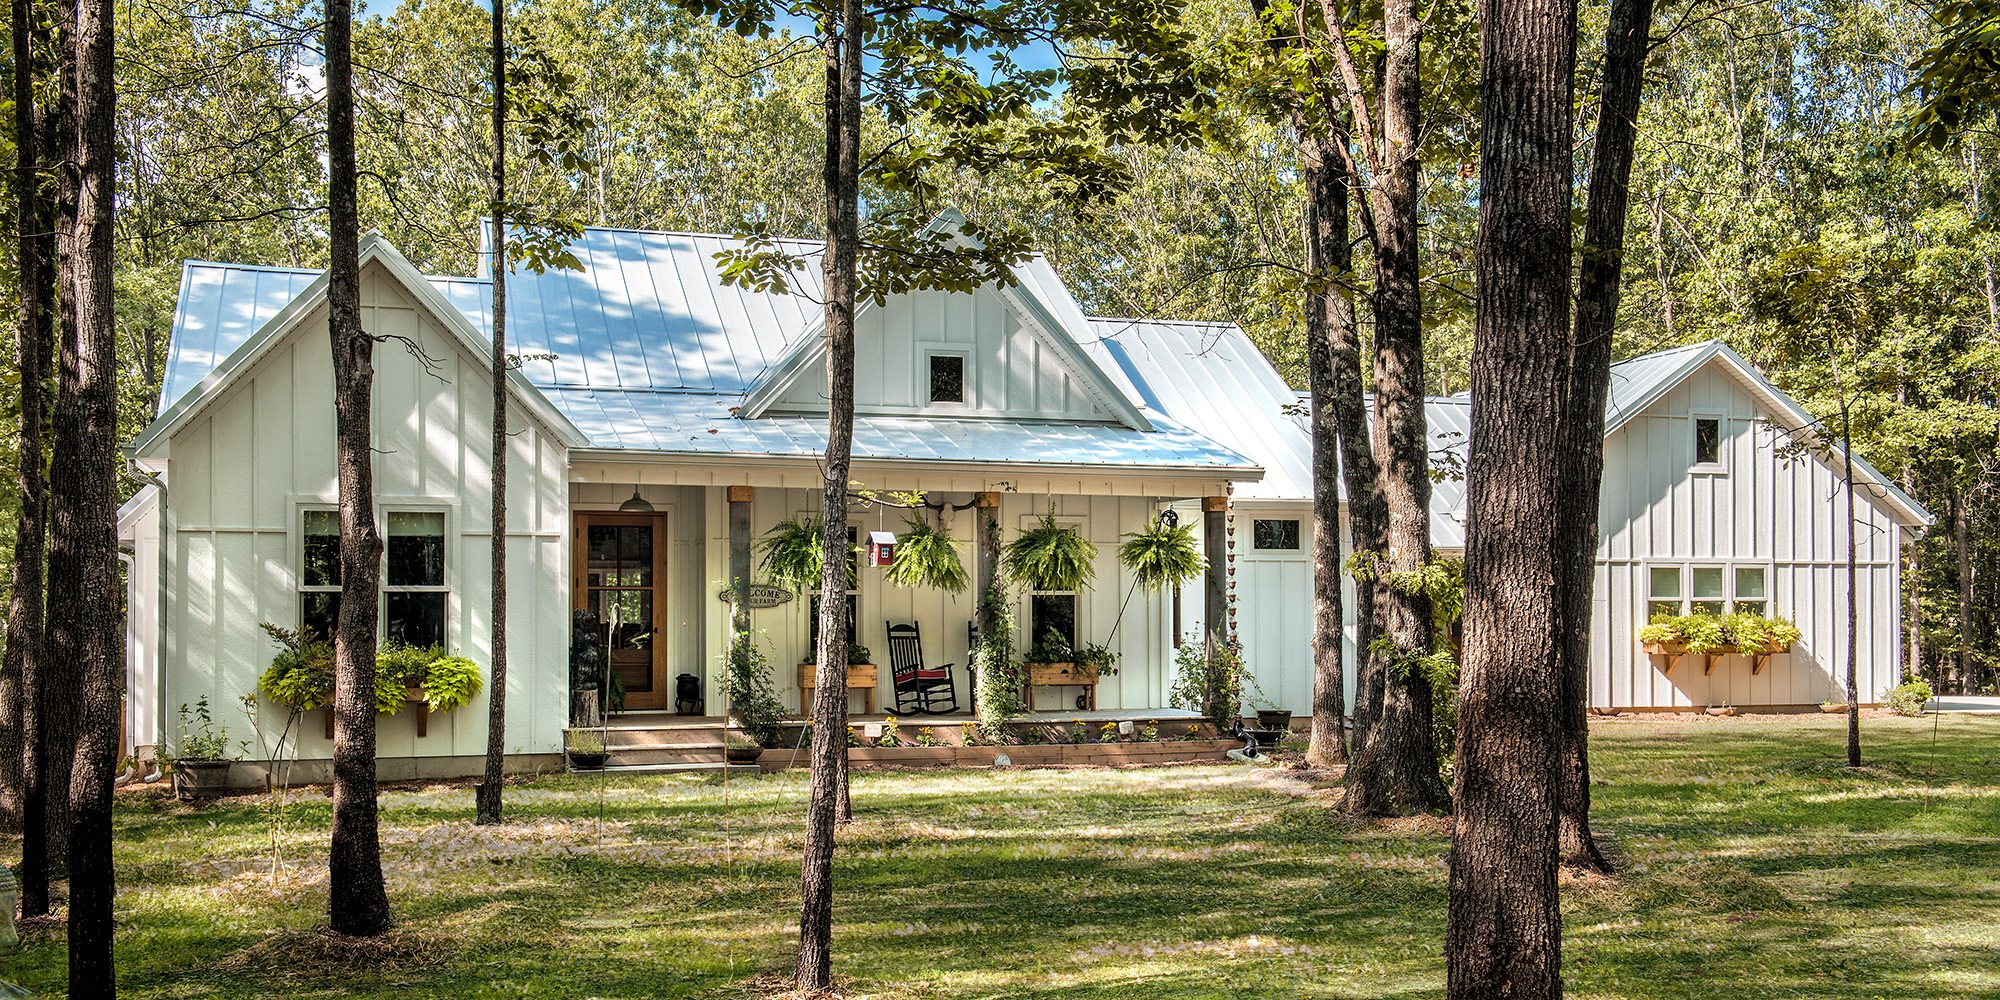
1038, 297
208, 385
647, 351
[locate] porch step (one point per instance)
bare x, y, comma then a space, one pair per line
711, 754
617, 738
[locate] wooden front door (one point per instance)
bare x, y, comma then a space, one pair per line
621, 577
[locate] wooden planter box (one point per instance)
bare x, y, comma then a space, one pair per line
860, 677
1083, 675
1046, 755
902, 756
1671, 652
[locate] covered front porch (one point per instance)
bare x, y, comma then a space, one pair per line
677, 552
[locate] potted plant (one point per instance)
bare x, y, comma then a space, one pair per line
1050, 556
1094, 659
1161, 556
793, 556
200, 758
1833, 707
585, 749
740, 749
927, 557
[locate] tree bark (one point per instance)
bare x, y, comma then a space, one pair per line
32, 339
1503, 937
92, 633
59, 684
1599, 284
357, 901
1961, 543
487, 805
1395, 771
1329, 260
842, 39
1853, 609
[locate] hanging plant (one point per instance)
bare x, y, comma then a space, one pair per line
1049, 556
1161, 556
926, 557
793, 555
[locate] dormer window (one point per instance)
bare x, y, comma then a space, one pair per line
947, 378
1708, 442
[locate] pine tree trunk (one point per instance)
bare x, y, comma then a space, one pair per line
1395, 772
1961, 543
842, 46
1598, 287
1503, 937
487, 807
92, 634
1329, 259
358, 903
32, 333
59, 684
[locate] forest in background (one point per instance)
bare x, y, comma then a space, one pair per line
1770, 148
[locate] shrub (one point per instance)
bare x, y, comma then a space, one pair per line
753, 698
1209, 679
1908, 698
200, 738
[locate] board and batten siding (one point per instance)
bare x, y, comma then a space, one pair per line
1769, 505
1010, 368
244, 468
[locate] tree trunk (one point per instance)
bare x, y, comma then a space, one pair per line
358, 903
1599, 285
487, 805
1503, 937
59, 684
32, 333
1395, 771
1961, 542
91, 634
1853, 610
1329, 260
842, 46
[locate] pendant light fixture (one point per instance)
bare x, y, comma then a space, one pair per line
636, 505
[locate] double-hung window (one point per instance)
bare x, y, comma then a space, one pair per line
415, 597
853, 597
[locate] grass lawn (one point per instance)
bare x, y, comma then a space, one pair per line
1757, 867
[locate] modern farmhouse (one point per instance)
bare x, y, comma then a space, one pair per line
665, 423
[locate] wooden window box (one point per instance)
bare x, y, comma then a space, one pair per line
1083, 675
860, 676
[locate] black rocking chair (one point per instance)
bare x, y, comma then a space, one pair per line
919, 689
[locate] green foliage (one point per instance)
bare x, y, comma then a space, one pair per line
300, 677
398, 668
892, 734
1094, 654
794, 554
451, 681
200, 739
1161, 556
928, 737
1208, 678
1050, 556
999, 676
589, 742
1908, 698
1050, 648
753, 697
926, 556
1701, 632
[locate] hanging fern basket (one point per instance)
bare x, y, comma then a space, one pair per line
793, 555
1050, 556
1161, 556
927, 557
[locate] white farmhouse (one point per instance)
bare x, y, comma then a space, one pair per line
663, 422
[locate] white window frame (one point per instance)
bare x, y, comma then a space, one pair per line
382, 511
966, 381
1686, 568
1026, 613
1720, 466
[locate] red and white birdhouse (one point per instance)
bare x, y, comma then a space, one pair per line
881, 548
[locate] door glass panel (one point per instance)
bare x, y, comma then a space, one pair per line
631, 635
620, 555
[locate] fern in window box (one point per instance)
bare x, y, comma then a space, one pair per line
1161, 556
927, 557
1050, 556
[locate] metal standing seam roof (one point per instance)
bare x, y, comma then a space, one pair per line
646, 350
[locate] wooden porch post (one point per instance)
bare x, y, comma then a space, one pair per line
739, 559
1215, 581
986, 539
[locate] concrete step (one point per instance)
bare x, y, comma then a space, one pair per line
639, 736
691, 767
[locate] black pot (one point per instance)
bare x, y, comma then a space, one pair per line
742, 755
1267, 739
579, 761
1272, 718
